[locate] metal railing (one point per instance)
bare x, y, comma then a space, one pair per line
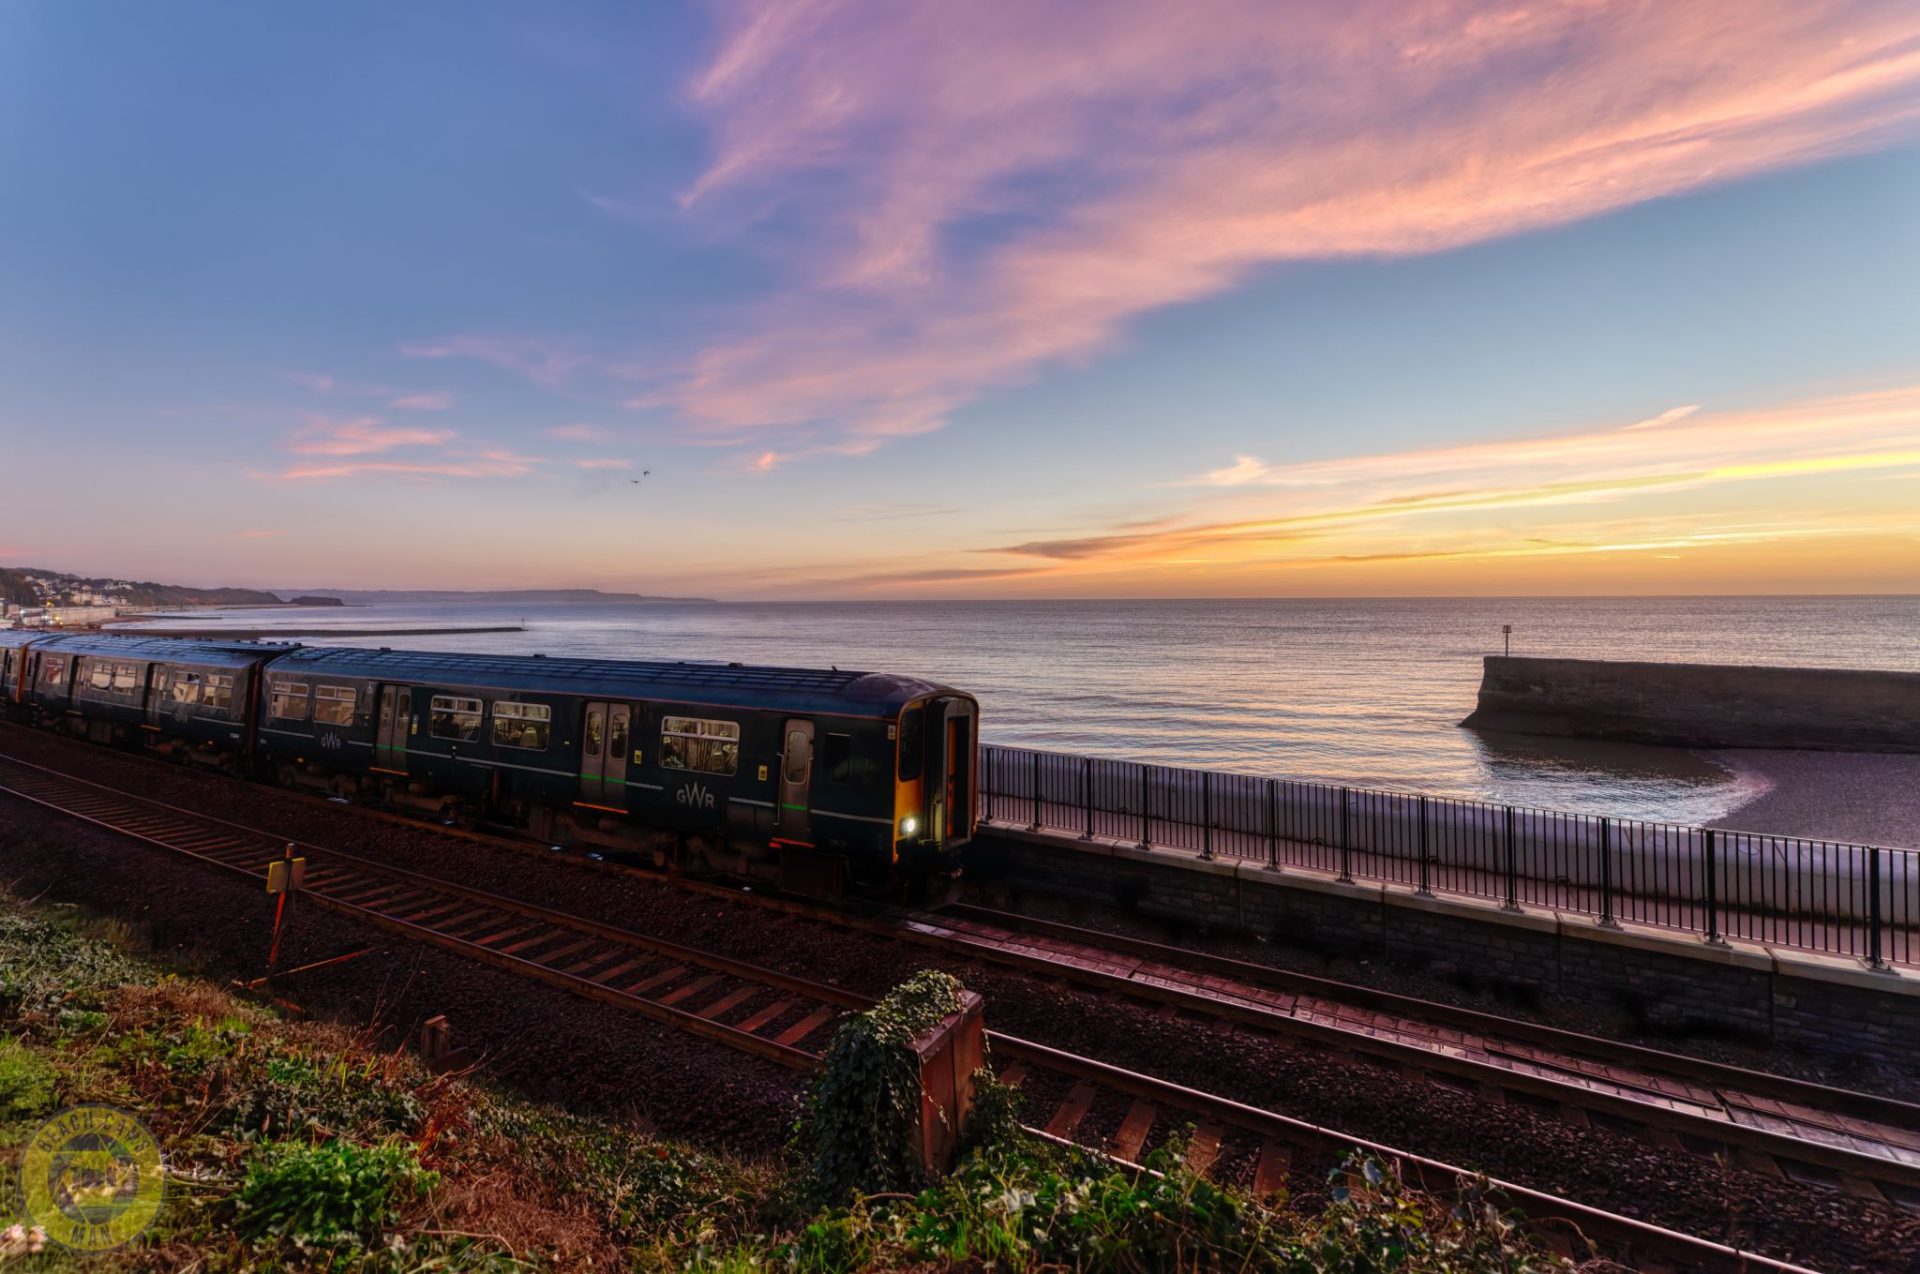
1828, 896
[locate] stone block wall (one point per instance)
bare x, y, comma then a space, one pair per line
1667, 983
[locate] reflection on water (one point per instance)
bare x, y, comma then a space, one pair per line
1367, 692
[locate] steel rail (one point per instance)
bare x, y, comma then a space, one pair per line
1893, 1167
356, 887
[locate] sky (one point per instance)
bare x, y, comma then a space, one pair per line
888, 299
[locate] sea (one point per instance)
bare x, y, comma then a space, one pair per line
1363, 692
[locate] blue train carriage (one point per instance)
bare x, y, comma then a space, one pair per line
819, 780
190, 700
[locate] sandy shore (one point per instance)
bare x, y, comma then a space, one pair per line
1869, 798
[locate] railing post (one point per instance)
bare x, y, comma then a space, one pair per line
1273, 824
1035, 826
1086, 794
1146, 803
1513, 867
992, 753
1346, 835
1875, 957
1606, 875
1713, 890
1206, 813
1426, 885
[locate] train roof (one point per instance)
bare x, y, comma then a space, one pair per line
16, 637
209, 653
721, 684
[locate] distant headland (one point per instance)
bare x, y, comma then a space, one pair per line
516, 596
31, 588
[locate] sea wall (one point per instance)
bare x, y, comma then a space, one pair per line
1667, 983
1701, 705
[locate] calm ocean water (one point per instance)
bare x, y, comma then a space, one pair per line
1364, 692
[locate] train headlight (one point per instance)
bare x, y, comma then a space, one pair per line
909, 826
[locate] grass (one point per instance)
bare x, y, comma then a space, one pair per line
302, 1146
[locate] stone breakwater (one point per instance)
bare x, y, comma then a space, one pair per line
1701, 705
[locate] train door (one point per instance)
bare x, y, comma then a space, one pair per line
796, 781
605, 740
959, 772
396, 725
949, 770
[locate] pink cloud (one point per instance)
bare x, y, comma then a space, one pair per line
484, 464
539, 360
439, 400
577, 433
603, 463
321, 383
362, 435
990, 197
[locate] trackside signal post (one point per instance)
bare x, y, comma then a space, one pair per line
284, 878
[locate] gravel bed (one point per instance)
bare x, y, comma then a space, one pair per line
539, 1040
1828, 1229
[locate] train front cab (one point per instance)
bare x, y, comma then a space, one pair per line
937, 792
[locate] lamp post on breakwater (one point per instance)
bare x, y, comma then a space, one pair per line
1506, 638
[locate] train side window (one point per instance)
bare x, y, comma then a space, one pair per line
99, 675
799, 756
218, 696
911, 722
689, 743
126, 679
185, 688
53, 672
288, 700
455, 717
522, 725
836, 755
333, 705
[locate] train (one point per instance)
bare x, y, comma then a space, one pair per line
824, 784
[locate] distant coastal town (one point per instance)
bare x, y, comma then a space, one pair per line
32, 597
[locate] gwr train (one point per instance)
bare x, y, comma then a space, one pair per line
826, 782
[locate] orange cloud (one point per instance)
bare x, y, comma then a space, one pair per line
994, 196
1591, 493
603, 462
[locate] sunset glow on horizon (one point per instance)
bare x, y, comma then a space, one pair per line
856, 299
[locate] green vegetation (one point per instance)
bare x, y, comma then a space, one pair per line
855, 1133
297, 1146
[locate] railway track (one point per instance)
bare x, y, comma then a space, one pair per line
1866, 1144
1116, 1112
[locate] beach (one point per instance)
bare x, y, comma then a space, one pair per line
1870, 798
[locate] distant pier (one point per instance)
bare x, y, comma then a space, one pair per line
1701, 705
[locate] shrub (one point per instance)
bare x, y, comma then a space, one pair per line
855, 1132
328, 1194
26, 1081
